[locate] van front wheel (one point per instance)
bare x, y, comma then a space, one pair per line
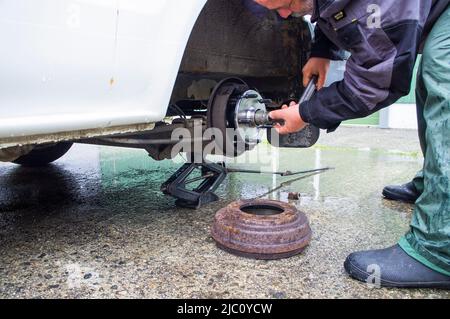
44, 155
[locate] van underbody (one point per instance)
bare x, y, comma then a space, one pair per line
231, 38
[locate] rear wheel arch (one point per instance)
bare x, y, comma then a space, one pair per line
238, 38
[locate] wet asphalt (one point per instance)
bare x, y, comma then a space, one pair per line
95, 224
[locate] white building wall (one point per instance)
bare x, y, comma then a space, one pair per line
399, 116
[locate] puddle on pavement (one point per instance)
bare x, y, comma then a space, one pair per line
110, 170
122, 179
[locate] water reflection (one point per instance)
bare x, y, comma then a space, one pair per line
106, 173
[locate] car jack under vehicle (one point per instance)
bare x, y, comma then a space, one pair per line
212, 176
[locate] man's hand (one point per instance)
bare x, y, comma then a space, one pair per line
316, 66
293, 122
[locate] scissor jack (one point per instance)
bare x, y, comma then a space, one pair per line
206, 178
202, 193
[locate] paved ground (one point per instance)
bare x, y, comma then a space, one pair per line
95, 225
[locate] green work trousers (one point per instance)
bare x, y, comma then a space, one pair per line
428, 241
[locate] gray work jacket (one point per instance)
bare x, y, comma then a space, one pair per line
384, 38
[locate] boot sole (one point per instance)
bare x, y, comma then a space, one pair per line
396, 197
362, 276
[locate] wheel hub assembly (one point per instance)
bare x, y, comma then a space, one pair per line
232, 97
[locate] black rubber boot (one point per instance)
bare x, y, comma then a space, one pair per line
406, 193
392, 267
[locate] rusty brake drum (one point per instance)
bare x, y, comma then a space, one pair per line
261, 229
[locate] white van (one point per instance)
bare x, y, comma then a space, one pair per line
128, 72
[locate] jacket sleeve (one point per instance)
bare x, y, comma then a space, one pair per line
378, 73
322, 47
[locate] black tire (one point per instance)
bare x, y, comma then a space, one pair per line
44, 155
